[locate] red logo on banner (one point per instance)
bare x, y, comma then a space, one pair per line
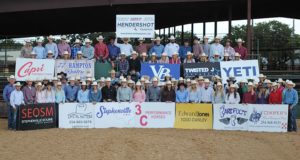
27, 70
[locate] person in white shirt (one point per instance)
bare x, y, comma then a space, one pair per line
237, 56
232, 97
16, 99
126, 47
40, 95
171, 47
206, 92
49, 93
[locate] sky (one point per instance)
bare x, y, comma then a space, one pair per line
222, 27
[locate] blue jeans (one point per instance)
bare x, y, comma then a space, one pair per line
292, 125
9, 116
14, 116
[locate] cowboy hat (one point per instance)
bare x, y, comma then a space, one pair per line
226, 54
232, 86
157, 39
18, 84
102, 79
250, 84
72, 79
189, 54
112, 71
124, 80
59, 83
219, 84
63, 37
141, 39
138, 83
87, 41
11, 77
168, 83
100, 38
39, 84
94, 84
153, 54
175, 53
290, 83
50, 37
130, 81
172, 38
154, 79
79, 52
200, 78
205, 37
142, 79
193, 82
147, 82
218, 37
203, 55
108, 79
206, 80
243, 81
261, 76
83, 83
66, 52
239, 40
39, 40
274, 84
134, 52
236, 54
173, 80
280, 80
144, 54
33, 53
49, 52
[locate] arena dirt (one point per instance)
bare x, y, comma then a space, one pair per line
146, 144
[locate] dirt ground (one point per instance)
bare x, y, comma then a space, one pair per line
144, 144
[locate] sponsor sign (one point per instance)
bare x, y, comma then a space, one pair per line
34, 68
135, 26
268, 118
160, 70
230, 117
193, 116
207, 70
76, 115
37, 116
240, 70
75, 68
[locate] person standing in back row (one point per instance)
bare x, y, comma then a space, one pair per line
290, 98
16, 99
8, 89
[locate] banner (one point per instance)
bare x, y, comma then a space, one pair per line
193, 116
135, 26
240, 70
34, 68
160, 70
76, 115
154, 115
75, 68
139, 115
268, 118
230, 117
207, 70
37, 116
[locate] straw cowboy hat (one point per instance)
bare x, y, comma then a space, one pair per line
102, 79
18, 84
173, 80
200, 78
232, 86
134, 52
189, 54
83, 83
164, 54
112, 71
219, 84
79, 52
124, 80
66, 52
206, 80
144, 54
108, 79
168, 83
126, 39
50, 52
239, 40
193, 82
39, 84
171, 38
63, 37
147, 82
237, 54
250, 84
280, 80
100, 38
167, 75
94, 84
274, 84
87, 41
154, 79
218, 37
291, 83
59, 83
226, 54
203, 55
11, 77
141, 39
138, 83
261, 76
205, 37
77, 41
142, 79
157, 39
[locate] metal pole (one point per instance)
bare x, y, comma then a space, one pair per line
169, 30
192, 34
182, 34
230, 21
249, 26
175, 31
216, 29
204, 29
159, 33
164, 36
5, 52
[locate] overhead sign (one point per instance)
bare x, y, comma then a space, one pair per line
160, 70
37, 116
34, 68
230, 117
268, 118
239, 69
75, 68
207, 70
135, 26
193, 116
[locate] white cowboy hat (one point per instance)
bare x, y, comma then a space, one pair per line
171, 38
188, 80
173, 80
233, 86
250, 84
153, 54
200, 78
167, 75
218, 37
290, 83
29, 79
50, 52
219, 84
59, 83
141, 39
189, 53
226, 54
123, 80
94, 84
11, 77
72, 79
66, 52
243, 81
154, 79
108, 79
54, 79
142, 79
63, 37
77, 78
39, 84
206, 80
168, 83
236, 54
39, 40
100, 38
147, 82
83, 83
89, 79
122, 54
77, 41
134, 52
175, 53
87, 41
239, 40
18, 84
130, 81
144, 54
32, 53
261, 76
205, 37
280, 80
157, 39
216, 54
164, 54
181, 79
50, 37
79, 52
138, 83
193, 82
274, 84
267, 81
203, 55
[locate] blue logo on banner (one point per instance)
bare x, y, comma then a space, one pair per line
107, 111
255, 116
160, 70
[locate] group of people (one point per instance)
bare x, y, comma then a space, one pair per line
123, 89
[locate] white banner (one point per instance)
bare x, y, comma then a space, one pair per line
135, 26
75, 68
76, 115
268, 118
230, 117
34, 68
140, 115
239, 69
